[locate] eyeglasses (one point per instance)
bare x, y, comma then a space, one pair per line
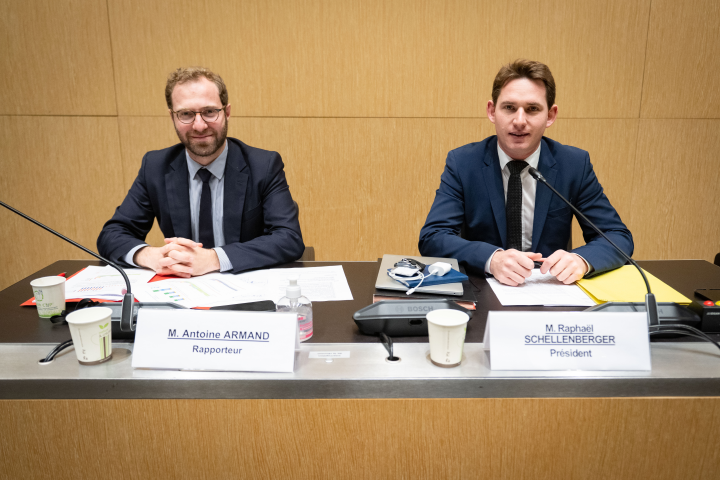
207, 114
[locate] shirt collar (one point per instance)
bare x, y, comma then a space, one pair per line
533, 160
217, 167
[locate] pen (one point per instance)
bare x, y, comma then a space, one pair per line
62, 274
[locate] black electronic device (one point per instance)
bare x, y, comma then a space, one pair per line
261, 306
668, 312
401, 318
117, 331
708, 308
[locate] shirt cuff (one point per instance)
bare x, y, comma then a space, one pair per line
590, 269
487, 264
225, 263
128, 258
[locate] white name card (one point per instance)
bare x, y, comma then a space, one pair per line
567, 341
215, 340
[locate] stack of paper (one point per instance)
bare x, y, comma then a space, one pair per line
540, 289
626, 285
318, 284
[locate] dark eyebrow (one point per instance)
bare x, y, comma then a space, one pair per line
201, 108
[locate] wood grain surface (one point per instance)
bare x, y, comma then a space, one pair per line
682, 60
405, 58
56, 58
68, 177
618, 438
676, 195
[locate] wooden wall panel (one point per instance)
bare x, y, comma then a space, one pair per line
611, 145
682, 62
56, 58
676, 196
619, 438
63, 171
405, 58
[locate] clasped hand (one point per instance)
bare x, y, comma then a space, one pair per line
512, 267
180, 257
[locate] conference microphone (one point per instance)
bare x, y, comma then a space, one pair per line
650, 302
126, 315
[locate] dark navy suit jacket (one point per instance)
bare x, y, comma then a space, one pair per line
471, 197
260, 219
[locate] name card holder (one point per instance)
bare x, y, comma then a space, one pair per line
216, 340
567, 341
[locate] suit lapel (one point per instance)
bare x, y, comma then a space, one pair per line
543, 195
494, 184
178, 193
235, 188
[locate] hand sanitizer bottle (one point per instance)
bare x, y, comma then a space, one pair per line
294, 302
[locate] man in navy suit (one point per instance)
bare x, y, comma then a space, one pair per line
221, 204
507, 220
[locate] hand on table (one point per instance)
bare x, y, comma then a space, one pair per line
512, 267
565, 266
179, 256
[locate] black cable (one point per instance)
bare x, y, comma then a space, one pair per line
59, 320
677, 332
59, 348
387, 342
683, 330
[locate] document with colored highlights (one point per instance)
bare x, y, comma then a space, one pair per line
190, 292
319, 284
626, 285
540, 289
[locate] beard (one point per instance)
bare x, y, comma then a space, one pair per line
206, 147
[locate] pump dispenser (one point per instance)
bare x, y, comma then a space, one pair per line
295, 302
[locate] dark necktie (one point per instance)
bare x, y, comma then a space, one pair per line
206, 211
513, 206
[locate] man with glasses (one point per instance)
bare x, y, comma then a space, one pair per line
221, 204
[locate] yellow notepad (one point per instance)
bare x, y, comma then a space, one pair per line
626, 285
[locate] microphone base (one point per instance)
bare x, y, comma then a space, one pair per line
117, 332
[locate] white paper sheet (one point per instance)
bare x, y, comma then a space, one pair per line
540, 289
105, 282
188, 292
319, 284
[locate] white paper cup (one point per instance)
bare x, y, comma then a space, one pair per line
49, 295
446, 329
91, 329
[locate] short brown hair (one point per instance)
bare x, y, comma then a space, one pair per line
189, 74
522, 68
